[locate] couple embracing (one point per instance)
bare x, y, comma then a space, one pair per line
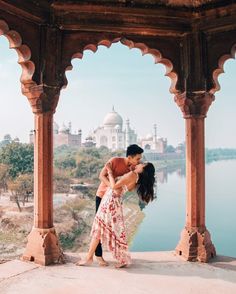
119, 175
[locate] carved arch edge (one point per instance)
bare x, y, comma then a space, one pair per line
158, 57
24, 54
220, 68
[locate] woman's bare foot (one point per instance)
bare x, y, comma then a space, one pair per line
87, 261
120, 265
101, 261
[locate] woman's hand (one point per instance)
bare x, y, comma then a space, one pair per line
108, 167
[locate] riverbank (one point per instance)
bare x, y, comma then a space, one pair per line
168, 163
180, 162
73, 217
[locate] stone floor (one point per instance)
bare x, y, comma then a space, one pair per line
151, 272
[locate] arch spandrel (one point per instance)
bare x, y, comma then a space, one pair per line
30, 35
164, 51
220, 69
221, 47
42, 96
23, 51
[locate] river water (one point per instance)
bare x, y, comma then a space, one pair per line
165, 217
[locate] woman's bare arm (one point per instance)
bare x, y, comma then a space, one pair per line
128, 179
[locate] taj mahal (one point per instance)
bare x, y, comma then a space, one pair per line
112, 133
115, 136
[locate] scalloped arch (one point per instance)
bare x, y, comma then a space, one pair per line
220, 68
23, 51
158, 58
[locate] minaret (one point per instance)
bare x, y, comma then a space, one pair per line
70, 127
31, 137
127, 131
155, 136
80, 137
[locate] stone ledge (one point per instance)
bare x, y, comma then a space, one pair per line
151, 272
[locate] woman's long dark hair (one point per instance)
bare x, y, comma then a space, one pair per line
145, 184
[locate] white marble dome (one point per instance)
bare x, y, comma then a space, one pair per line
64, 129
113, 119
149, 137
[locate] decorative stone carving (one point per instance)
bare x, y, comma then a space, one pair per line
157, 55
23, 51
194, 103
42, 98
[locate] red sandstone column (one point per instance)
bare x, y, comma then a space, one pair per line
42, 246
43, 156
195, 243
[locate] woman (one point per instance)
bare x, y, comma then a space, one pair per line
108, 225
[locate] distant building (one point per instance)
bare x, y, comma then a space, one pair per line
89, 142
180, 148
6, 140
153, 143
63, 136
111, 134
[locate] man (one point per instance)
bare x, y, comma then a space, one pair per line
119, 166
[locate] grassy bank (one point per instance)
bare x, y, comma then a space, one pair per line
172, 163
168, 163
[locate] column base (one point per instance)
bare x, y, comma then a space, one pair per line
43, 247
195, 245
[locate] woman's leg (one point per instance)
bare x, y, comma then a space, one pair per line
89, 257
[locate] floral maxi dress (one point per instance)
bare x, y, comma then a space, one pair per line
109, 227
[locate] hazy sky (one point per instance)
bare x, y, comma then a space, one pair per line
117, 76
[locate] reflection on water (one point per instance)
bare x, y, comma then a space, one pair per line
162, 175
165, 217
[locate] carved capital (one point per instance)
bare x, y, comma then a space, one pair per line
42, 98
194, 103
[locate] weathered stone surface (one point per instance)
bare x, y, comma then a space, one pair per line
196, 245
151, 272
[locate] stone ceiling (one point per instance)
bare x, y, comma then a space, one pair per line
43, 4
187, 3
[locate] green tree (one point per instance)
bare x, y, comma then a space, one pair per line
6, 140
19, 157
67, 162
4, 176
21, 187
169, 149
61, 181
88, 165
84, 163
